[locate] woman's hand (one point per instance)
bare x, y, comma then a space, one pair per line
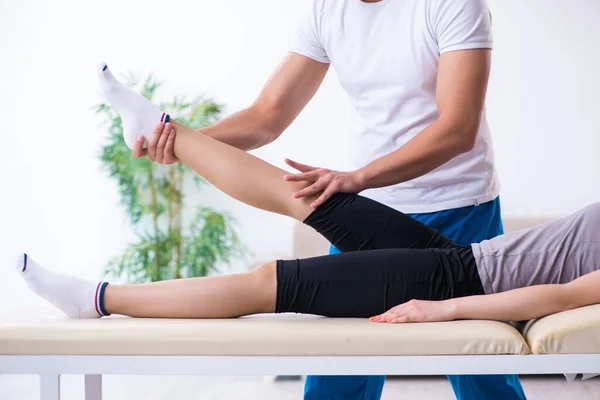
160, 145
321, 179
418, 311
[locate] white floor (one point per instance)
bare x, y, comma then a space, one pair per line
25, 387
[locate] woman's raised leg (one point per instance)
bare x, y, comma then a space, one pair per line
234, 171
240, 174
351, 223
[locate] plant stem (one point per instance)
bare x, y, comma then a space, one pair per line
179, 208
154, 219
170, 200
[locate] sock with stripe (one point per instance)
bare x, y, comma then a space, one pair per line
75, 297
139, 116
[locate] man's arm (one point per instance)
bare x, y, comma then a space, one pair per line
460, 95
513, 305
285, 94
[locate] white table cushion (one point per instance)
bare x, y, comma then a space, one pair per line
43, 332
570, 332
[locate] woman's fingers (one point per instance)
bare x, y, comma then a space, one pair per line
383, 317
391, 318
399, 320
417, 311
397, 314
300, 167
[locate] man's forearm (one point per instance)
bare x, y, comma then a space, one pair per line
246, 129
434, 146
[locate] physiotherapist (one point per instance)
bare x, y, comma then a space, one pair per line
416, 72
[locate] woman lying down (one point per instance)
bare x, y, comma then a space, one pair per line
393, 269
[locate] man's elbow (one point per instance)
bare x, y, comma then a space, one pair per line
268, 123
465, 134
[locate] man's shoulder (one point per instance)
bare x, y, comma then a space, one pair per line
458, 6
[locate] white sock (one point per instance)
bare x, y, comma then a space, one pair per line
75, 297
139, 116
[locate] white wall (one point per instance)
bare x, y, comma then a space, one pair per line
58, 205
543, 104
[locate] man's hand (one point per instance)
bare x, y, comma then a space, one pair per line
417, 311
160, 145
328, 181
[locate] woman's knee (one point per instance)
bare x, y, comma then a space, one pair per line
265, 279
266, 272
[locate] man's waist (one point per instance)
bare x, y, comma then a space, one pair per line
410, 197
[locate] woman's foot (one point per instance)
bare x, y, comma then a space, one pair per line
75, 297
139, 116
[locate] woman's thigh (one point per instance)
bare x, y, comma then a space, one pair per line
352, 223
367, 283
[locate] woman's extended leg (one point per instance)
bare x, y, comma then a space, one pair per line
224, 296
357, 284
212, 297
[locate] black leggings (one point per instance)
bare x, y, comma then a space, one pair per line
388, 258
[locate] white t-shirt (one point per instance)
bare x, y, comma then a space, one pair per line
386, 57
